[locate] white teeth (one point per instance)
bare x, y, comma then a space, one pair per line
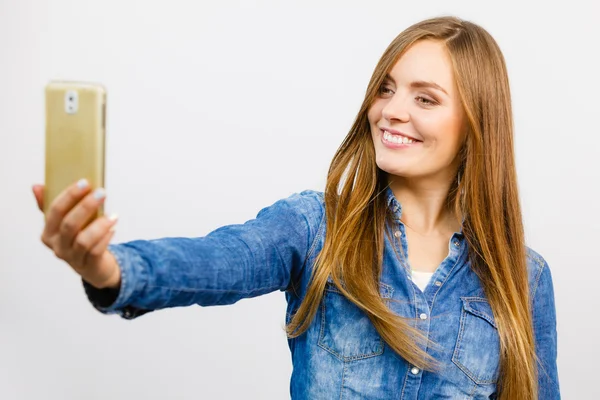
397, 138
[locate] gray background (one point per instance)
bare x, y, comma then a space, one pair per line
217, 109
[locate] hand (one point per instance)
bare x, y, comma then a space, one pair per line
83, 247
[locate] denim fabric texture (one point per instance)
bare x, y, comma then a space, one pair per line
341, 356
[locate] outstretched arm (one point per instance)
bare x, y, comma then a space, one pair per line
233, 262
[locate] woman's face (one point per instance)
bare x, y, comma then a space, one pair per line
417, 118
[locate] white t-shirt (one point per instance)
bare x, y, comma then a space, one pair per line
421, 279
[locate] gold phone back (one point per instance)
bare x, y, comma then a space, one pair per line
75, 141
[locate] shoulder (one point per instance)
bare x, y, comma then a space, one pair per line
540, 277
304, 202
309, 201
307, 206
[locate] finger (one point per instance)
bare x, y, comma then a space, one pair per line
76, 219
63, 203
102, 245
91, 237
38, 192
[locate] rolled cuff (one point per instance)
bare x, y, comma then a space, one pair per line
116, 301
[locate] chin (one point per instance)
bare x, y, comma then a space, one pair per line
396, 170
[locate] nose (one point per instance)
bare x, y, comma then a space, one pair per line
396, 109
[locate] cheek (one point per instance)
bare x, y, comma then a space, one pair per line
442, 130
455, 133
374, 114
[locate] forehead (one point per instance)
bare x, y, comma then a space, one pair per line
425, 60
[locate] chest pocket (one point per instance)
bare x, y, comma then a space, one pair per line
477, 351
346, 331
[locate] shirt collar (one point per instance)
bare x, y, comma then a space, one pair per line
392, 203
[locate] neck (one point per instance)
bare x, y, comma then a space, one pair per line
424, 205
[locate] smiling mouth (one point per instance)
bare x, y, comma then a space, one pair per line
397, 139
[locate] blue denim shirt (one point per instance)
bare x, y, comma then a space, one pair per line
341, 355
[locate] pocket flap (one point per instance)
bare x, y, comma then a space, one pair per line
480, 307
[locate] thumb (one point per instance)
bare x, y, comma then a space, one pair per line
38, 192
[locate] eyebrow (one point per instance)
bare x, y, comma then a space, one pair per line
420, 84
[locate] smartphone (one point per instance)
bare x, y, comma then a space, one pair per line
75, 137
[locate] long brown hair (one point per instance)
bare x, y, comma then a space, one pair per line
486, 196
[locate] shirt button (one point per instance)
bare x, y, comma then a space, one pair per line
397, 234
415, 370
438, 283
457, 243
423, 316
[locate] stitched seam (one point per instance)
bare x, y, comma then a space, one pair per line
536, 258
478, 313
458, 259
389, 290
481, 315
124, 278
538, 362
387, 293
472, 394
395, 245
339, 356
404, 385
310, 251
343, 381
317, 236
546, 374
541, 264
456, 354
364, 356
190, 290
322, 334
537, 281
459, 339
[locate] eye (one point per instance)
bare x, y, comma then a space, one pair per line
386, 90
425, 101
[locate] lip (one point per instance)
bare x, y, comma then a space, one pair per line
393, 145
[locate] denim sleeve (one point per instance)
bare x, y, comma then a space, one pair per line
233, 262
544, 323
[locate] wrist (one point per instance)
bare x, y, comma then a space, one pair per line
114, 281
110, 278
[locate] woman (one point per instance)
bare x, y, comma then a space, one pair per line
408, 278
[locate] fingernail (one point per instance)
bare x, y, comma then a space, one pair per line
82, 183
99, 194
113, 217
